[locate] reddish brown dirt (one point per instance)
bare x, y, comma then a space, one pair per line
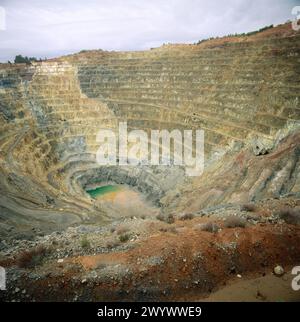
193, 263
256, 249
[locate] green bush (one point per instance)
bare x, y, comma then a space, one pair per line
248, 207
124, 238
169, 219
187, 216
31, 258
209, 227
85, 242
290, 216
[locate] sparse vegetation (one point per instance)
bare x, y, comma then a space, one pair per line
169, 219
124, 237
187, 216
290, 216
32, 258
209, 227
206, 39
234, 221
172, 230
244, 34
257, 31
248, 207
160, 217
112, 243
19, 59
85, 242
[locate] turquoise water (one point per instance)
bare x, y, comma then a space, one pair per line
100, 191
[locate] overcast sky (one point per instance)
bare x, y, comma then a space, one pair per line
55, 27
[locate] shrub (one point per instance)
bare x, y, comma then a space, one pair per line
160, 217
124, 237
188, 216
234, 221
112, 243
169, 219
31, 258
255, 217
85, 242
290, 216
248, 207
209, 227
171, 229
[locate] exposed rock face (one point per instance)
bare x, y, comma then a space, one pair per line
235, 90
261, 147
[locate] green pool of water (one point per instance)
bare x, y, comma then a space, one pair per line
100, 191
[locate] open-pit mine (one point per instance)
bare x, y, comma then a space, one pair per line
74, 230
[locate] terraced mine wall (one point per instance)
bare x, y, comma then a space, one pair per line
243, 93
